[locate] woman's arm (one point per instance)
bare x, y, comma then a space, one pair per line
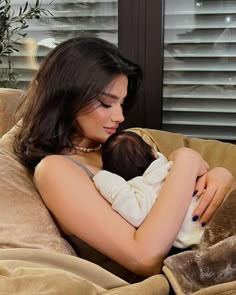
132, 199
73, 199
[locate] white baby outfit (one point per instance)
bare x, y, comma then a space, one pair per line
134, 199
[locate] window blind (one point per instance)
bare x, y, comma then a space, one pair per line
69, 18
199, 69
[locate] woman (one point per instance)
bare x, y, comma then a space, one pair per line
73, 105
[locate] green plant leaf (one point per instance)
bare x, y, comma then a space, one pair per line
26, 6
22, 34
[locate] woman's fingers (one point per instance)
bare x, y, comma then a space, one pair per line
205, 208
200, 185
212, 189
214, 204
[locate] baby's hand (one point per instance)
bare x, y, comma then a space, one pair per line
192, 156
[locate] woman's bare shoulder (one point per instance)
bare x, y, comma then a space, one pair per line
51, 161
58, 163
56, 168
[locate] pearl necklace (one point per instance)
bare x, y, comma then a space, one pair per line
84, 149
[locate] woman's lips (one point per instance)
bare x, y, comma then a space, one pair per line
111, 130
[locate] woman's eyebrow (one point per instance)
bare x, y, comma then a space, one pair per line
110, 95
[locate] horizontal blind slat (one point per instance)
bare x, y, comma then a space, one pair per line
202, 78
199, 118
201, 92
199, 7
204, 106
200, 36
200, 50
200, 64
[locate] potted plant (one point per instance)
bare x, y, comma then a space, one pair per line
12, 30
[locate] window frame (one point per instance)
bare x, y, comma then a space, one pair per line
138, 41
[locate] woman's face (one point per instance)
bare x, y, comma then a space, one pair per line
104, 118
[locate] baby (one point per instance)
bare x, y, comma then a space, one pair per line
131, 181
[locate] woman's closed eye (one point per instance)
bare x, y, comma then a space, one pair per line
105, 105
109, 100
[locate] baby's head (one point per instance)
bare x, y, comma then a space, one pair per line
125, 153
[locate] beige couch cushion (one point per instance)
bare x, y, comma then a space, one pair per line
25, 221
9, 100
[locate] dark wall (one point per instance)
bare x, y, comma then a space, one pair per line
140, 38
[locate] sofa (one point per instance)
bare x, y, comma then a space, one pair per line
35, 258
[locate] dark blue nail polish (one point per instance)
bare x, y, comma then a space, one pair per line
203, 224
195, 218
195, 192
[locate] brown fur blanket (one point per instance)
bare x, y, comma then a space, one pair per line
214, 262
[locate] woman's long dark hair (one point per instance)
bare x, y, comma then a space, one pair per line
71, 78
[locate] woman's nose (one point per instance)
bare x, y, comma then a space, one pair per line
118, 115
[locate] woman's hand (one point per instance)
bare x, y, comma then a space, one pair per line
212, 187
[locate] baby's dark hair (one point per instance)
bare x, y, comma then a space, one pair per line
125, 153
